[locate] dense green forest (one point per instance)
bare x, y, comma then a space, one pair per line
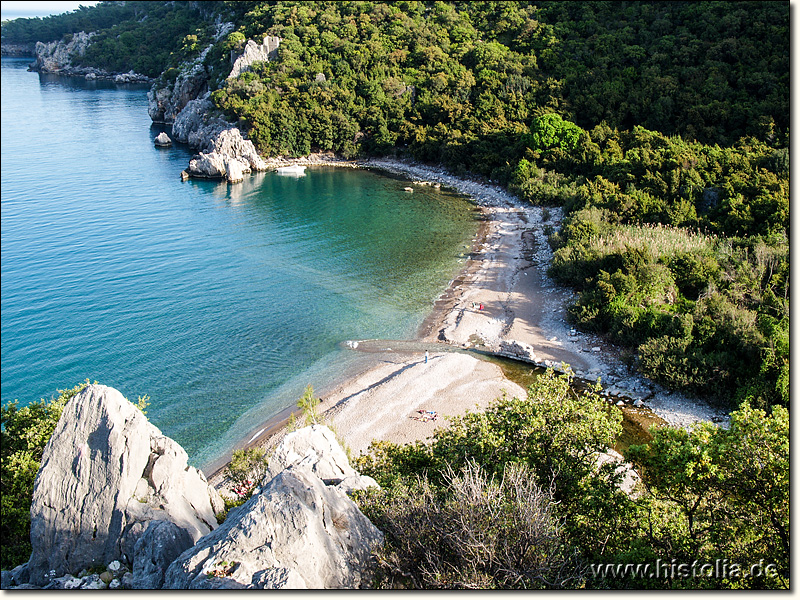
662, 129
145, 37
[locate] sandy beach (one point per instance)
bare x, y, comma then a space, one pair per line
523, 316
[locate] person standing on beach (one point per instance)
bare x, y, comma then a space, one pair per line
426, 357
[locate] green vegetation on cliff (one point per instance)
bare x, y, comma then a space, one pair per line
24, 433
146, 37
462, 83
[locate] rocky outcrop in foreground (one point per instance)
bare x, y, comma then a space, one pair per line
115, 496
107, 473
300, 531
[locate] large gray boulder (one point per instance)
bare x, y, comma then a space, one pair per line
235, 170
211, 166
160, 544
195, 127
224, 152
162, 140
296, 532
106, 473
229, 142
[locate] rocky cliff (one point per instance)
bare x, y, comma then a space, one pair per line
106, 474
18, 50
116, 496
224, 153
267, 50
167, 98
57, 57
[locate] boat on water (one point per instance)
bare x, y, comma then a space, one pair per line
291, 170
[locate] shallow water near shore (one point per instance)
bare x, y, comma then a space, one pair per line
219, 302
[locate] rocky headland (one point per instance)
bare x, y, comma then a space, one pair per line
18, 50
115, 505
57, 57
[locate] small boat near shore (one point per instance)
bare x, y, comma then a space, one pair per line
296, 170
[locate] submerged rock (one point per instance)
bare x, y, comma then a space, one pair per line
105, 474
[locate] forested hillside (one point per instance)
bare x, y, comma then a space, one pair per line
145, 37
661, 127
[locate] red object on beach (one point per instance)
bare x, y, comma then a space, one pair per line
480, 307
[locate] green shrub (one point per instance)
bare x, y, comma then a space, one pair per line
24, 434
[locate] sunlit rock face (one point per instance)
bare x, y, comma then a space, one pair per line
300, 531
106, 473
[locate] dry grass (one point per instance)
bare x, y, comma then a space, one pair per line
657, 240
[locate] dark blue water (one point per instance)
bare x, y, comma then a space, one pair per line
219, 302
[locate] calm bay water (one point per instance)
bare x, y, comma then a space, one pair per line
219, 302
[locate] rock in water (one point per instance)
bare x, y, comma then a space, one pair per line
162, 140
296, 533
106, 473
210, 165
235, 170
230, 142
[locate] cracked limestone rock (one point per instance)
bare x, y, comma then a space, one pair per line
54, 57
296, 533
315, 448
106, 473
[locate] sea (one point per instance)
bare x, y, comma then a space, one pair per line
219, 302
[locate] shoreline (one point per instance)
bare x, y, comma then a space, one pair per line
522, 310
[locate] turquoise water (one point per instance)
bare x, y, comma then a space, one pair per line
219, 302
